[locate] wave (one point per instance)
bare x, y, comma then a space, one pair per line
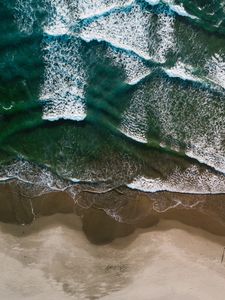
165, 34
90, 9
33, 180
140, 41
182, 71
134, 121
126, 30
216, 70
88, 38
179, 9
64, 80
135, 136
208, 152
213, 79
159, 106
191, 181
67, 101
200, 14
130, 31
64, 77
209, 18
139, 78
58, 19
135, 69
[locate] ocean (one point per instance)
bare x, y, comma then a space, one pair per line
101, 94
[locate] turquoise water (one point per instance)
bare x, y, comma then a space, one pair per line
113, 93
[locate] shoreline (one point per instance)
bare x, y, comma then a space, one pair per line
69, 252
116, 213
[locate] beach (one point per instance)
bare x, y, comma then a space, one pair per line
53, 259
65, 251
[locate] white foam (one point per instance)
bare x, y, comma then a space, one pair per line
165, 35
64, 75
139, 137
209, 149
38, 180
90, 8
179, 9
67, 111
216, 70
58, 29
189, 181
24, 15
153, 2
128, 30
203, 127
7, 108
134, 122
64, 80
64, 72
59, 18
183, 71
76, 180
3, 178
114, 43
139, 78
134, 68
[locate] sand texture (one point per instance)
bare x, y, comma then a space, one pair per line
53, 259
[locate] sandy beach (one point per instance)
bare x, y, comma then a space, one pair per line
52, 259
53, 248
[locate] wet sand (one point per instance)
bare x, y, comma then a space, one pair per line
145, 251
116, 213
52, 259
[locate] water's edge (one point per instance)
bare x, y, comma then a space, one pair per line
115, 213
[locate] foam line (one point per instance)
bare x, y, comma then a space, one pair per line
64, 80
135, 68
179, 9
95, 10
182, 71
124, 30
134, 122
191, 181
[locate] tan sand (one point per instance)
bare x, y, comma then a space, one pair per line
52, 259
134, 209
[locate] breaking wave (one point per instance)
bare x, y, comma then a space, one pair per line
173, 68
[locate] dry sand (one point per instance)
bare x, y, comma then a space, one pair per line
52, 259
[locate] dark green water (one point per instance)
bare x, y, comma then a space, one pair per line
113, 92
